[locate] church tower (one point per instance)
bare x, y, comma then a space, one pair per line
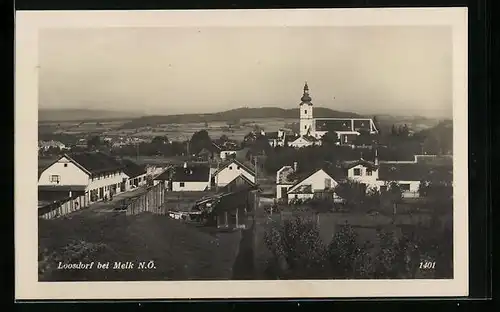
306, 113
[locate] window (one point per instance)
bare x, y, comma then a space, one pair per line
305, 127
65, 165
328, 183
238, 168
55, 178
230, 167
130, 182
305, 112
181, 184
357, 172
368, 172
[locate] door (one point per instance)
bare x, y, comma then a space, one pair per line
284, 192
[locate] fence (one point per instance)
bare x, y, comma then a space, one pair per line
63, 207
151, 201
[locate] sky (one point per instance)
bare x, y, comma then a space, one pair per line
368, 70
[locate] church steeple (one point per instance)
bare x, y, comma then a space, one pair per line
306, 98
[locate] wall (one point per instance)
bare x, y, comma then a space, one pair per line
414, 188
152, 200
189, 186
278, 190
141, 183
317, 181
69, 175
370, 181
300, 142
63, 207
227, 175
113, 178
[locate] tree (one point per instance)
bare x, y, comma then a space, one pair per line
352, 192
330, 138
200, 140
346, 256
392, 195
297, 249
94, 142
261, 145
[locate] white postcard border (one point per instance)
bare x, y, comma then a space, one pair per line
26, 117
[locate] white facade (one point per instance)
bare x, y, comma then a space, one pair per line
136, 182
282, 190
190, 186
410, 189
230, 172
318, 181
306, 119
364, 174
64, 172
302, 142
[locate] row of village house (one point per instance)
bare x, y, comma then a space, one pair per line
99, 176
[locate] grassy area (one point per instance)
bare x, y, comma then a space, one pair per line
180, 251
365, 225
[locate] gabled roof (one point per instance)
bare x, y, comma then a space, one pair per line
95, 162
132, 169
191, 174
239, 183
237, 162
335, 173
365, 163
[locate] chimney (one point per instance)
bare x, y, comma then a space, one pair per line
295, 164
376, 157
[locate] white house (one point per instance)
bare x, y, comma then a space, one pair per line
363, 172
96, 175
306, 185
230, 171
137, 174
190, 178
304, 141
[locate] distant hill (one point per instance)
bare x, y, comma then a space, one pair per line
234, 114
82, 114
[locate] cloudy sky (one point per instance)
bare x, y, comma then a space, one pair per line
399, 70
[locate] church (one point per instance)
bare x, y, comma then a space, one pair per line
347, 129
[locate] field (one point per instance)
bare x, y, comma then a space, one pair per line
179, 251
176, 132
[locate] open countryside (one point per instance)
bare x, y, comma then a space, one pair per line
223, 199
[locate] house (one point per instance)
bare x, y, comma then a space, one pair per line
95, 175
229, 171
276, 138
363, 172
409, 176
188, 178
137, 174
292, 185
304, 141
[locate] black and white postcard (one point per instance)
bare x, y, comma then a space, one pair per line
241, 154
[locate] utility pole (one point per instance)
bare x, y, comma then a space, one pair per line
137, 151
